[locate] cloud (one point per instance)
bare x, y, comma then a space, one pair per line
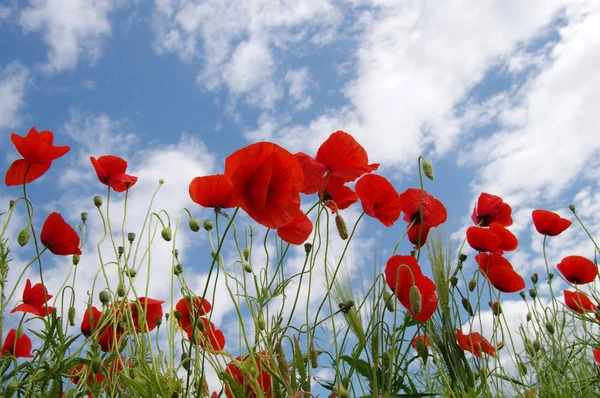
14, 79
298, 81
71, 28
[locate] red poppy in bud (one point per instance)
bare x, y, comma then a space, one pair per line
81, 369
474, 343
212, 191
423, 338
211, 336
336, 192
111, 171
508, 241
578, 302
59, 237
91, 318
482, 239
247, 382
413, 234
434, 212
191, 310
549, 223
17, 347
34, 300
399, 274
500, 272
153, 310
345, 158
313, 173
379, 199
597, 354
578, 270
297, 231
267, 180
490, 208
38, 154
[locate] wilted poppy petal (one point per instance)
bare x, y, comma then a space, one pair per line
490, 208
344, 157
482, 239
59, 237
379, 199
578, 302
212, 191
508, 241
434, 212
297, 231
17, 347
549, 223
578, 270
313, 173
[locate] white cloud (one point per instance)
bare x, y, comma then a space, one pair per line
71, 28
13, 85
298, 81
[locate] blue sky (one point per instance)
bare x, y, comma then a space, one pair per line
502, 97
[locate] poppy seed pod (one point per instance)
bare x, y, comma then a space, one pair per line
572, 208
208, 225
428, 169
308, 247
104, 297
131, 237
533, 293
120, 250
84, 217
167, 234
340, 224
415, 299
472, 285
177, 315
462, 258
23, 237
121, 290
158, 321
194, 225
97, 201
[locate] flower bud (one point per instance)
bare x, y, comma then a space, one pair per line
176, 253
76, 258
528, 317
97, 201
422, 350
314, 358
529, 348
131, 237
177, 315
246, 253
10, 389
340, 391
161, 181
496, 308
522, 294
500, 346
84, 217
534, 278
131, 272
23, 237
550, 327
341, 227
428, 169
522, 368
462, 257
185, 361
96, 365
414, 296
71, 316
550, 276
11, 204
178, 269
247, 268
167, 234
260, 322
388, 300
533, 293
158, 321
386, 361
472, 285
572, 208
454, 281
121, 290
104, 297
200, 326
467, 306
194, 225
208, 225
536, 345
120, 250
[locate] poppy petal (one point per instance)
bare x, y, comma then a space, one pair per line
19, 169
490, 208
578, 270
482, 239
434, 211
297, 231
344, 157
313, 173
379, 199
212, 191
549, 223
59, 237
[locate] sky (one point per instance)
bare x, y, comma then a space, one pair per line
501, 96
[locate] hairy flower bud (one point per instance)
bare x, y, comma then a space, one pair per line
454, 281
314, 358
23, 237
467, 306
414, 296
422, 350
158, 321
121, 290
340, 391
120, 250
522, 294
96, 365
522, 368
572, 208
247, 268
340, 224
71, 316
208, 225
178, 269
428, 169
260, 322
194, 224
185, 361
533, 293
131, 237
550, 327
84, 217
534, 278
97, 201
131, 272
472, 285
10, 389
167, 234
496, 308
76, 259
386, 361
388, 299
536, 345
246, 253
177, 315
161, 181
104, 297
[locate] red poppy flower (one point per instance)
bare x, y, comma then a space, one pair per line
191, 310
210, 336
578, 302
597, 354
399, 279
345, 158
500, 272
91, 318
266, 183
34, 300
508, 241
59, 237
423, 338
111, 171
17, 347
38, 153
110, 339
549, 223
297, 231
212, 191
314, 173
336, 192
247, 381
490, 208
578, 270
379, 199
434, 212
482, 239
81, 369
413, 235
153, 310
474, 343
